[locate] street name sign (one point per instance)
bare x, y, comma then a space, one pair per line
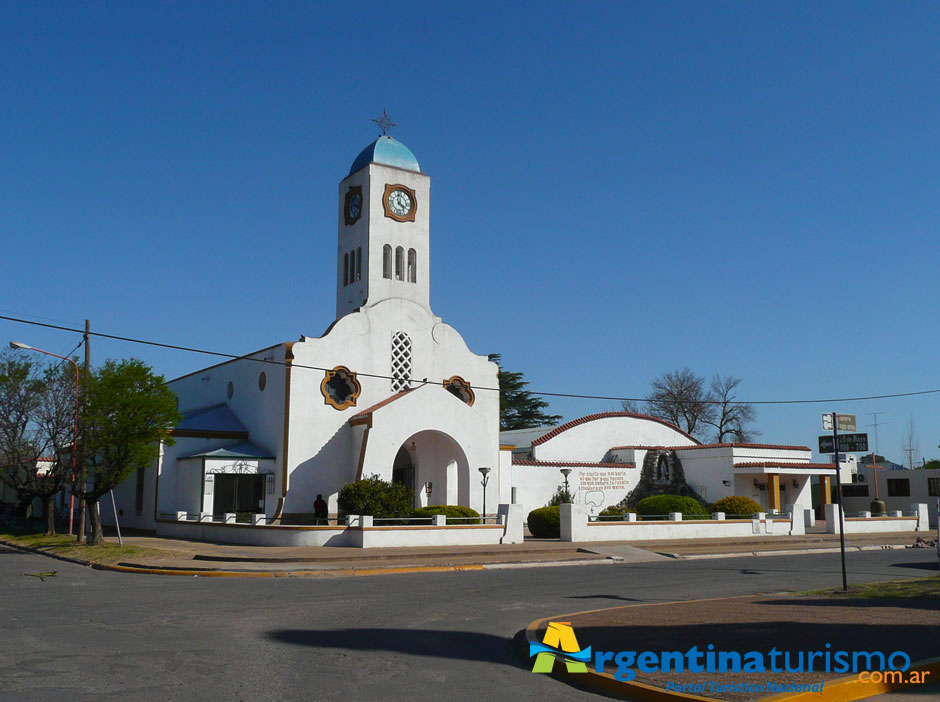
845, 422
848, 443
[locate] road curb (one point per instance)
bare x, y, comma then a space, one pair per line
335, 572
844, 689
781, 552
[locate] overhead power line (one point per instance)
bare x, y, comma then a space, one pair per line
613, 398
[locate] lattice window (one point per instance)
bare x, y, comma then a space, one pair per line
401, 361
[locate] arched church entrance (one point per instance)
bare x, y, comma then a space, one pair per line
435, 466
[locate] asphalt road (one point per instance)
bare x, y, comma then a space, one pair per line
87, 634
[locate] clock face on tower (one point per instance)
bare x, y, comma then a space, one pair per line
400, 203
352, 209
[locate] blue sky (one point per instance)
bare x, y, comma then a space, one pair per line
619, 189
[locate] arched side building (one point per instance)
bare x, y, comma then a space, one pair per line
605, 454
387, 389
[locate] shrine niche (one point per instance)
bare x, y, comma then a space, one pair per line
662, 474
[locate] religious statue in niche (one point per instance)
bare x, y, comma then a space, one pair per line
662, 474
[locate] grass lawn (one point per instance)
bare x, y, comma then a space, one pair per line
65, 545
921, 588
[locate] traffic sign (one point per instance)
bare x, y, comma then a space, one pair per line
849, 443
845, 422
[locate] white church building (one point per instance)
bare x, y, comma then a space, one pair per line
389, 389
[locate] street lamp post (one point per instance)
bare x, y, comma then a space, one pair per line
485, 472
566, 472
25, 347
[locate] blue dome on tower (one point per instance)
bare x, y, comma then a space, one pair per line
388, 152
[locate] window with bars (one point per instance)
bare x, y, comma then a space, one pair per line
401, 361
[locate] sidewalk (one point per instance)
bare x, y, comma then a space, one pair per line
200, 556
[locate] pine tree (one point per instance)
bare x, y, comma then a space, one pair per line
519, 408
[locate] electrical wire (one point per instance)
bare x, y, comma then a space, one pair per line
542, 393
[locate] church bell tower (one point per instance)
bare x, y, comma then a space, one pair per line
382, 247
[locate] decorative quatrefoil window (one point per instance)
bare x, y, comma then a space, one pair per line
459, 388
340, 388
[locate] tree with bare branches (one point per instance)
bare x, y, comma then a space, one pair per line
731, 419
680, 398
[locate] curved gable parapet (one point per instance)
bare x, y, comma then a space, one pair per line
590, 437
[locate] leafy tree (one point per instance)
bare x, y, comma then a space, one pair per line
37, 414
933, 464
129, 411
730, 419
680, 398
519, 408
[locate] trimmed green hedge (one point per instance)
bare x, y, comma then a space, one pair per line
450, 511
545, 522
664, 504
737, 505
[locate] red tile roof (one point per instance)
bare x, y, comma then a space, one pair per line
785, 464
604, 415
564, 464
782, 447
378, 405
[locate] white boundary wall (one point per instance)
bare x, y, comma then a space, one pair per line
576, 527
359, 532
874, 525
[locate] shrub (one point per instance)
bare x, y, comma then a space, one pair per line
376, 497
664, 504
561, 496
545, 522
450, 511
736, 505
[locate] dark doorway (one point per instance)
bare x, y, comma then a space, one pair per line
238, 493
403, 470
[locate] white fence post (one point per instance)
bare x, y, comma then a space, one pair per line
832, 519
675, 516
797, 520
257, 519
515, 523
438, 520
718, 516
573, 522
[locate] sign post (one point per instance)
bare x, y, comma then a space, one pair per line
835, 445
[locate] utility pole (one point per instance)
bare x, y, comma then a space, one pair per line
874, 457
835, 448
82, 476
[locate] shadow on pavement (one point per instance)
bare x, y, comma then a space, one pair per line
922, 565
603, 597
463, 645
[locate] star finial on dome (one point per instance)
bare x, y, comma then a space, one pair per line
385, 123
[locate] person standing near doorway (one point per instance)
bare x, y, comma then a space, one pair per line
320, 511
